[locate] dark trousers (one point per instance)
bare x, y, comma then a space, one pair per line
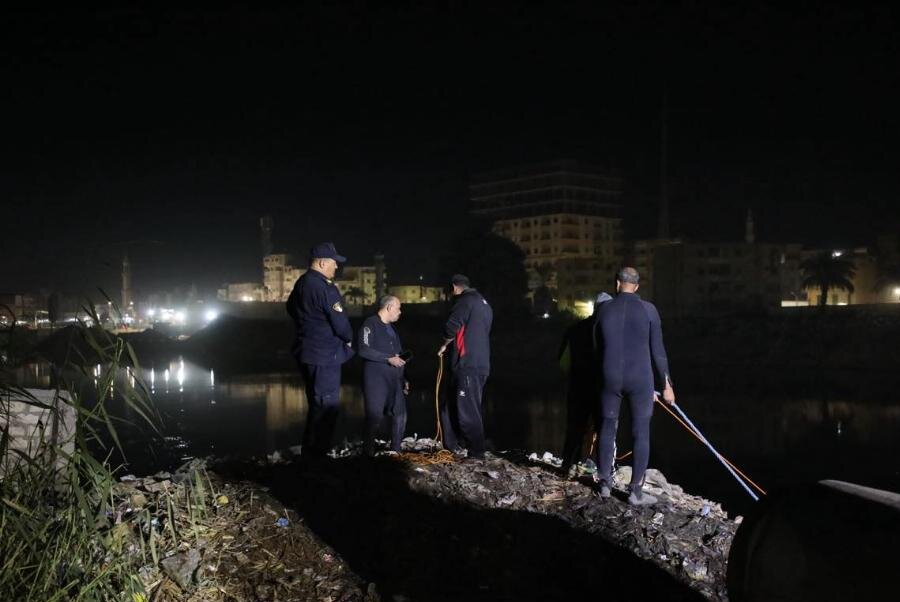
383, 393
323, 397
581, 419
641, 401
461, 413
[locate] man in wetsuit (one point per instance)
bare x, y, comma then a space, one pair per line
323, 343
384, 387
633, 354
468, 330
579, 355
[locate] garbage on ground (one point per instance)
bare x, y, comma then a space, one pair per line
195, 537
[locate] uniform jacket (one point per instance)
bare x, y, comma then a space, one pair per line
323, 329
469, 327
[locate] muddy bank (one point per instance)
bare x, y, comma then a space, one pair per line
507, 528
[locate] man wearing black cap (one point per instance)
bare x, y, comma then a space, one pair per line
468, 330
323, 343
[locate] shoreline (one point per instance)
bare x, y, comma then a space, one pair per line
388, 528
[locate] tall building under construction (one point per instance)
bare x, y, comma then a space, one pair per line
565, 215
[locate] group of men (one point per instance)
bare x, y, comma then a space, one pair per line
324, 342
623, 338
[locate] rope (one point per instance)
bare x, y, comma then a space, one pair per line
439, 433
727, 463
691, 431
442, 456
594, 443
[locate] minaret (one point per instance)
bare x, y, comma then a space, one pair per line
749, 232
380, 277
266, 225
663, 227
126, 284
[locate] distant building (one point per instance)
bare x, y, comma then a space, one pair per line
566, 218
685, 277
279, 276
28, 308
242, 292
415, 293
358, 284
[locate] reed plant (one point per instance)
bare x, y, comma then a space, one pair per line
61, 525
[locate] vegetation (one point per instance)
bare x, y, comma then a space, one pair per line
827, 271
60, 526
495, 266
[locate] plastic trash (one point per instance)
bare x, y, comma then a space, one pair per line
282, 522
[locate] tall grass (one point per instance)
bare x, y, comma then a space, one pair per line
61, 537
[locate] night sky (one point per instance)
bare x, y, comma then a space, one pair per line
169, 133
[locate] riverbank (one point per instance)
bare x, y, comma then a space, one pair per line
388, 528
832, 352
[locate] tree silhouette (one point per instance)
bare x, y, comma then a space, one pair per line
827, 271
495, 266
355, 295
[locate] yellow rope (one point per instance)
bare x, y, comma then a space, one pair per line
442, 456
439, 433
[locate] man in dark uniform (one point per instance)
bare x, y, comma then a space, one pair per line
384, 386
324, 340
468, 330
579, 355
633, 353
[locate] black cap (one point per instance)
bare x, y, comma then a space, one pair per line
326, 250
460, 280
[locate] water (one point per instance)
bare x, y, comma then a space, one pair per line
775, 442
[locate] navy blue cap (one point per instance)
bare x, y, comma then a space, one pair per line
326, 250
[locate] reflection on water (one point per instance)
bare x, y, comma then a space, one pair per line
776, 442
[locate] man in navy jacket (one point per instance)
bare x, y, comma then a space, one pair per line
468, 331
384, 387
323, 342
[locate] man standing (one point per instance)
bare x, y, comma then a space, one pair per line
323, 343
633, 353
579, 355
384, 387
468, 329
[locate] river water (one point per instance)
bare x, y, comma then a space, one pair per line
776, 442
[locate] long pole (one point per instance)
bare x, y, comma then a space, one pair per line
715, 453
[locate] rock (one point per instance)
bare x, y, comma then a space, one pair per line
155, 487
182, 568
695, 569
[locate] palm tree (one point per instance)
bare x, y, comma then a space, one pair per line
828, 271
356, 295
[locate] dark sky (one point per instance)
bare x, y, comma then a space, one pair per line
169, 133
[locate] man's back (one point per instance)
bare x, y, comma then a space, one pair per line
632, 342
469, 326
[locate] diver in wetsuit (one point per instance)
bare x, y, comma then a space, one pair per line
633, 354
384, 385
